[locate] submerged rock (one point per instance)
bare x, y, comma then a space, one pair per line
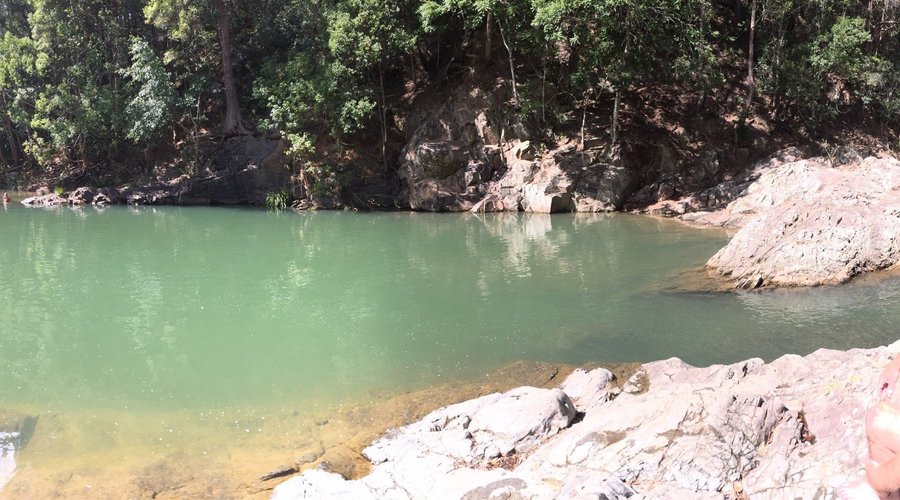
12, 440
7, 457
793, 428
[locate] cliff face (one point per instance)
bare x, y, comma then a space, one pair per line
474, 154
793, 428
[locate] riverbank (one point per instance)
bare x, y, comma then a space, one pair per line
793, 428
790, 428
192, 458
797, 220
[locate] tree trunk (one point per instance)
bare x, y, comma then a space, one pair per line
751, 82
488, 37
869, 9
543, 92
383, 117
776, 97
584, 105
512, 66
614, 133
232, 124
15, 148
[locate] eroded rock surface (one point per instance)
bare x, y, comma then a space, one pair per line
793, 428
709, 206
474, 154
804, 223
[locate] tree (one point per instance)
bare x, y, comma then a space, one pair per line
150, 110
512, 19
78, 107
180, 19
17, 60
616, 44
365, 38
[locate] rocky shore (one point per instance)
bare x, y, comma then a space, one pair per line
801, 222
792, 428
798, 220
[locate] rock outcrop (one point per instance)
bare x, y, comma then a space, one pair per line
793, 428
805, 223
241, 171
45, 200
706, 206
474, 154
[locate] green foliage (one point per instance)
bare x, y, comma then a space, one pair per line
840, 50
101, 82
59, 190
333, 77
278, 200
150, 111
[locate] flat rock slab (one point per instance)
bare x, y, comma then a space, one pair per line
793, 428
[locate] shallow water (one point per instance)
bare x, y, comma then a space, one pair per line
135, 332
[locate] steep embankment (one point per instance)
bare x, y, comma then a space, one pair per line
465, 147
793, 428
472, 153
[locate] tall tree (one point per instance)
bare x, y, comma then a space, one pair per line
181, 19
81, 46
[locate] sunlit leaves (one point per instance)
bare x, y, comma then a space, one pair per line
150, 110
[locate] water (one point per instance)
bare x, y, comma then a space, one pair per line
126, 328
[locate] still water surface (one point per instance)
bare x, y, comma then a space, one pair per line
195, 309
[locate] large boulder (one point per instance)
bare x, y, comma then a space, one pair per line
45, 200
805, 223
451, 452
81, 196
440, 160
588, 388
543, 198
488, 427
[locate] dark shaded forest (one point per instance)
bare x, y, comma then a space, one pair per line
106, 91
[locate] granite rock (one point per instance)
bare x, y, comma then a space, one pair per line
793, 428
806, 223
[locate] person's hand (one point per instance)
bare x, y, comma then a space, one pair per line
883, 433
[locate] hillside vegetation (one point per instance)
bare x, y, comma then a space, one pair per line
108, 91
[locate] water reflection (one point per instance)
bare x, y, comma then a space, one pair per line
193, 319
181, 308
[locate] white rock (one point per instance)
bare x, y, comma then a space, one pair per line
588, 388
791, 429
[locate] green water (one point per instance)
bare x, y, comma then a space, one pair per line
194, 307
125, 328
